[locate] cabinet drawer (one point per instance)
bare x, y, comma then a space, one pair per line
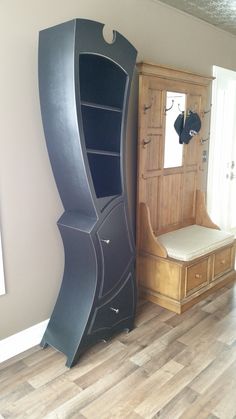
197, 276
223, 261
115, 310
116, 248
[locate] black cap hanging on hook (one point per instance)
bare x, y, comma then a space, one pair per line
192, 126
187, 128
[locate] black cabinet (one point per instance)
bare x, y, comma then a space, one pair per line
84, 85
112, 235
116, 310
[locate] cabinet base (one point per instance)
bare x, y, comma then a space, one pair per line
180, 307
126, 326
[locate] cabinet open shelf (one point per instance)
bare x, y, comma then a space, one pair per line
102, 128
105, 172
101, 81
107, 153
102, 92
99, 106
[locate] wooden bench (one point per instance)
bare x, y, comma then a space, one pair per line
179, 268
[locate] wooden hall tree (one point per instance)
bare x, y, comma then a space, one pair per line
171, 196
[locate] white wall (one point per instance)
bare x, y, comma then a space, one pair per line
29, 202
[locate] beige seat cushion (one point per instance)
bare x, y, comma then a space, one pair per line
194, 241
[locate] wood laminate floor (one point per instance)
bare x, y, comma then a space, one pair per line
170, 366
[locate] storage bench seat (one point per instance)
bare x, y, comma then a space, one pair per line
194, 241
179, 268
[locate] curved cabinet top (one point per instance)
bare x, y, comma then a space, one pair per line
84, 86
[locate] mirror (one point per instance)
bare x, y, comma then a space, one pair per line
173, 151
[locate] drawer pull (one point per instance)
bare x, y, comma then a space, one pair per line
107, 241
116, 310
198, 276
222, 262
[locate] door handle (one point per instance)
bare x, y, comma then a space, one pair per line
107, 241
230, 176
116, 310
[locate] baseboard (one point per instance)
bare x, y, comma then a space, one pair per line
20, 342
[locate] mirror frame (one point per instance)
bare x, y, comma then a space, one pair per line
178, 109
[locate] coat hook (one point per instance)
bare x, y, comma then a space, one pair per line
146, 107
145, 142
202, 141
168, 109
180, 108
209, 110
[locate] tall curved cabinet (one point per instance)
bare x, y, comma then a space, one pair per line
84, 85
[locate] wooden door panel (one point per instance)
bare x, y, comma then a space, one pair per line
191, 156
191, 152
171, 200
152, 196
153, 153
155, 113
189, 196
194, 102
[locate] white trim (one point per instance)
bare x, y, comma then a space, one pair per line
2, 282
221, 195
20, 342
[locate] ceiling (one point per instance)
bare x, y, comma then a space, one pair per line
220, 13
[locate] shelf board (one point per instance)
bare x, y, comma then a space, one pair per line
103, 152
98, 106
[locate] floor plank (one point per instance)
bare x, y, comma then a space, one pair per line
207, 403
170, 366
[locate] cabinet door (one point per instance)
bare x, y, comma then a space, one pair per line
197, 275
116, 310
224, 261
116, 248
